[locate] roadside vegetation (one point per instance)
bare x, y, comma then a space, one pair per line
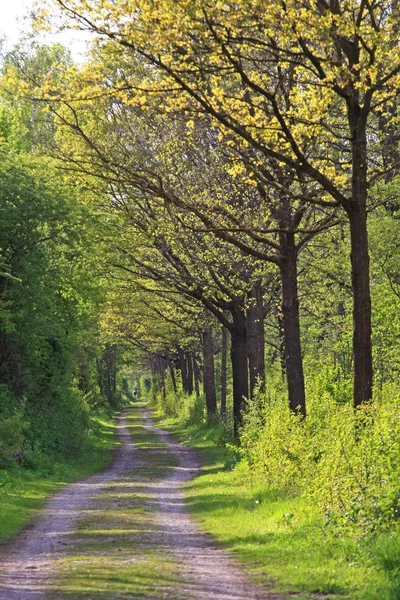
277, 516
61, 372
204, 212
24, 491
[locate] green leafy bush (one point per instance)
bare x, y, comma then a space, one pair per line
347, 461
386, 553
13, 440
190, 409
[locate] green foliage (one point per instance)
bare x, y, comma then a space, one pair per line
280, 536
386, 553
347, 462
23, 491
172, 191
13, 440
190, 409
51, 301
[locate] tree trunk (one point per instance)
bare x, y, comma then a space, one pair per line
255, 338
189, 370
224, 353
108, 374
153, 377
183, 369
114, 373
161, 374
196, 372
172, 372
357, 214
362, 347
291, 324
240, 379
282, 346
100, 379
209, 373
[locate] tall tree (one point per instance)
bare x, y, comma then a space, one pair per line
310, 102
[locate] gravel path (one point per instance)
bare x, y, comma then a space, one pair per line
29, 569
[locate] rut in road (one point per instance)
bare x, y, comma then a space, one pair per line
125, 533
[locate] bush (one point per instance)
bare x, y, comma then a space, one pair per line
347, 461
8, 403
13, 440
192, 410
59, 423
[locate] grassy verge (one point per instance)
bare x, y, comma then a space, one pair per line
283, 540
23, 492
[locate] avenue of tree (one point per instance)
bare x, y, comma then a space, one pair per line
253, 136
210, 197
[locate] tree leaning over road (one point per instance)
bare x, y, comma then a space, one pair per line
310, 101
104, 133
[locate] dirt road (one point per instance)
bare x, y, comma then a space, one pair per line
124, 533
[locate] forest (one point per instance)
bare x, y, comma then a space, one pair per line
202, 217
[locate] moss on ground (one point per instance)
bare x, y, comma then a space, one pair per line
124, 576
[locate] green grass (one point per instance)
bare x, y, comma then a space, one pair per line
146, 576
23, 492
283, 540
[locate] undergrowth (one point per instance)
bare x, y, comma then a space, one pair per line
310, 506
24, 490
346, 462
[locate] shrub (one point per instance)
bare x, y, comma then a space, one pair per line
13, 440
347, 461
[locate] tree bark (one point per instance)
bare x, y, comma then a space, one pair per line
189, 370
240, 379
107, 368
282, 346
99, 365
183, 370
224, 353
161, 372
357, 214
172, 372
209, 373
154, 381
291, 324
114, 373
255, 338
196, 372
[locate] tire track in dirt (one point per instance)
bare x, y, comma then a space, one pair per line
31, 565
